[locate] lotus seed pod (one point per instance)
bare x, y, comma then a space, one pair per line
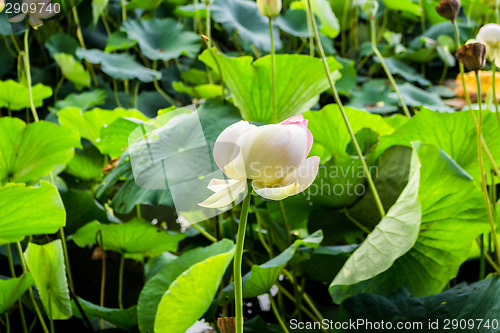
449, 9
472, 55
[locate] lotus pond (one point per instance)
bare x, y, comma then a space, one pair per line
236, 166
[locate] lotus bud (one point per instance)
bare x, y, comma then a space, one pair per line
489, 35
370, 8
269, 8
2, 5
449, 9
273, 156
472, 55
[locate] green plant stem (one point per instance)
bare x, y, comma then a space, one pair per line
493, 87
66, 256
28, 73
277, 314
124, 10
204, 233
302, 307
467, 99
13, 274
345, 12
480, 242
238, 258
51, 320
384, 66
209, 41
481, 170
344, 115
7, 322
159, 89
273, 72
422, 14
103, 274
30, 289
120, 282
356, 222
261, 237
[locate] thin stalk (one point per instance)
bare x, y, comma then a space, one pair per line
159, 89
30, 289
493, 86
204, 233
344, 115
480, 242
66, 257
51, 320
7, 322
273, 72
277, 314
356, 222
467, 99
386, 69
286, 225
13, 273
261, 237
311, 36
238, 258
28, 73
422, 14
209, 42
120, 282
481, 170
302, 307
124, 10
103, 275
345, 12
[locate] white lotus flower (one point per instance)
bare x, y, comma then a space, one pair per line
489, 35
274, 157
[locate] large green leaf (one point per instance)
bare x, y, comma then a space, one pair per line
244, 16
73, 70
90, 123
329, 24
414, 96
155, 44
61, 43
87, 163
136, 238
191, 294
294, 22
407, 6
261, 278
453, 215
407, 72
29, 211
30, 152
374, 96
473, 307
117, 41
15, 95
114, 138
83, 101
125, 319
392, 237
46, 264
154, 289
121, 66
297, 90
12, 289
454, 133
330, 132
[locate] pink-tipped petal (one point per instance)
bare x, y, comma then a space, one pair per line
299, 120
225, 196
304, 175
275, 193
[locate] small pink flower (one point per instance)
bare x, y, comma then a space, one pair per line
274, 157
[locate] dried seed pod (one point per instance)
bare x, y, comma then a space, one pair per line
449, 9
472, 55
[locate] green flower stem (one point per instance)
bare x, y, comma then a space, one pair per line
386, 69
344, 115
493, 86
66, 257
28, 73
277, 314
273, 72
467, 99
13, 273
159, 89
209, 41
120, 282
286, 225
238, 258
422, 14
30, 289
302, 307
204, 233
481, 170
7, 322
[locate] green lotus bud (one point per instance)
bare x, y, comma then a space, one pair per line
370, 8
449, 9
269, 8
472, 55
